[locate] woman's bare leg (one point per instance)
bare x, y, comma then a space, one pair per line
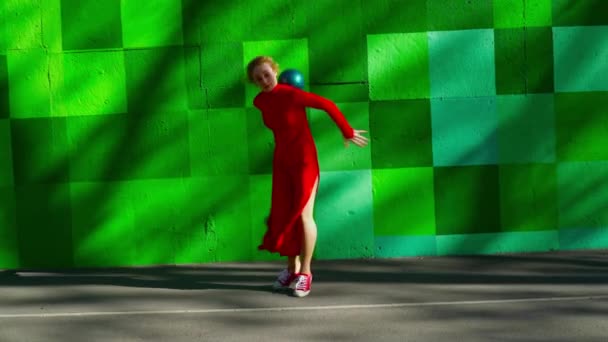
293, 264
310, 232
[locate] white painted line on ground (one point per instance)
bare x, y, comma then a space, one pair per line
302, 308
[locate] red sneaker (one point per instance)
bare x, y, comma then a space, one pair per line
284, 279
301, 285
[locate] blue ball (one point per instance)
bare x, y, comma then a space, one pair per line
292, 77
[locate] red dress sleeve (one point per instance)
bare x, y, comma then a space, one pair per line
307, 99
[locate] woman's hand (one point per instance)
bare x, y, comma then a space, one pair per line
357, 139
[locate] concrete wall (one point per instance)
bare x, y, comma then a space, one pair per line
128, 135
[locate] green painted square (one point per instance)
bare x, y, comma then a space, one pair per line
222, 74
394, 16
526, 129
91, 24
511, 67
40, 150
260, 198
28, 83
528, 197
580, 12
580, 55
90, 83
582, 194
467, 200
23, 24
522, 13
197, 99
156, 80
9, 246
405, 123
4, 97
43, 213
462, 63
403, 201
332, 154
260, 142
289, 54
539, 64
213, 137
3, 30
446, 15
340, 93
50, 19
141, 23
398, 66
129, 146
6, 171
343, 213
581, 123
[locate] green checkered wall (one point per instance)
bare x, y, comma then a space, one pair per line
128, 135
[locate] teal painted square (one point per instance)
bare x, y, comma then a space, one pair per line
398, 66
462, 63
580, 12
260, 199
289, 54
464, 131
526, 129
403, 201
498, 243
44, 216
89, 83
260, 143
91, 24
40, 150
394, 16
6, 155
446, 15
580, 55
142, 23
522, 13
9, 247
214, 134
343, 213
583, 238
582, 194
581, 123
332, 154
467, 200
340, 93
404, 123
156, 80
23, 24
528, 197
4, 103
404, 246
222, 74
28, 83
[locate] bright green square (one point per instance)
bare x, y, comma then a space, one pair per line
260, 198
45, 225
526, 129
528, 197
28, 83
4, 97
156, 80
522, 13
403, 201
580, 55
91, 24
467, 200
197, 99
151, 23
3, 30
50, 19
9, 247
398, 66
582, 194
260, 143
6, 155
580, 12
404, 123
289, 54
333, 156
213, 137
222, 74
23, 24
394, 16
459, 14
581, 123
40, 150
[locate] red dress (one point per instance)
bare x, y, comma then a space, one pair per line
295, 166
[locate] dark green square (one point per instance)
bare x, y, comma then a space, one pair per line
467, 200
580, 12
222, 74
194, 83
401, 133
581, 122
40, 150
44, 219
528, 197
341, 93
446, 15
91, 24
9, 246
260, 141
539, 60
396, 16
4, 104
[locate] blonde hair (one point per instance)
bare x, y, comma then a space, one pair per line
259, 60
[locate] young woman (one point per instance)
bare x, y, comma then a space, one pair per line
292, 231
